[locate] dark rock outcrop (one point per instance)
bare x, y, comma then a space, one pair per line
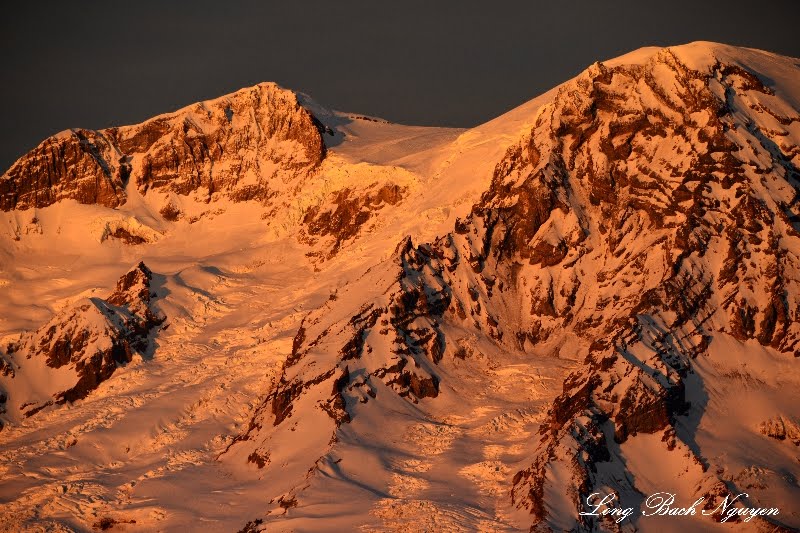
352, 211
233, 146
92, 339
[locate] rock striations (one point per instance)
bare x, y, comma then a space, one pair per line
231, 147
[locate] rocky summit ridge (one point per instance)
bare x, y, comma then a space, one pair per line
231, 146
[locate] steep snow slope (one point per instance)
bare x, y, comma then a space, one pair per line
318, 369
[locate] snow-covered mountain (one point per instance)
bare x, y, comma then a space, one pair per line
356, 324
232, 146
91, 338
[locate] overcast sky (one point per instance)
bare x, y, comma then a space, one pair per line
96, 64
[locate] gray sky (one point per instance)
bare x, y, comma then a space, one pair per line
97, 64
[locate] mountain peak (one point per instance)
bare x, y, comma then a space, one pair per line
174, 152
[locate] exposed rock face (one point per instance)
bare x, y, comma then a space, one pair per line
349, 211
781, 428
80, 164
82, 346
234, 147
